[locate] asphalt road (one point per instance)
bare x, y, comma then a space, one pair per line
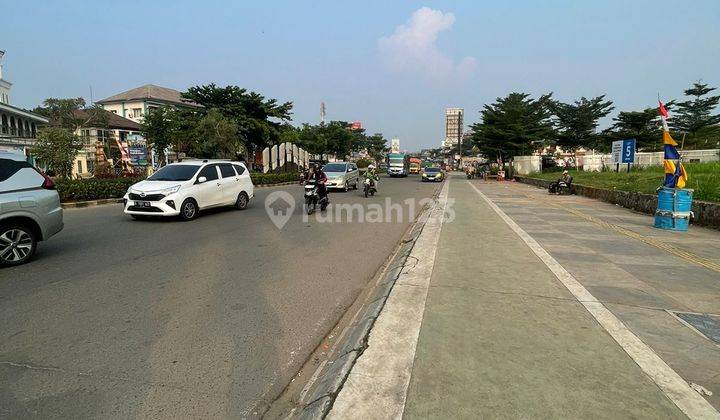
119, 318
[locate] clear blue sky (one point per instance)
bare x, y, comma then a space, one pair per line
390, 64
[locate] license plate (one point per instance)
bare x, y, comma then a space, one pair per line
142, 204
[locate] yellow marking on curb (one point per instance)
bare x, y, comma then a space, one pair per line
688, 256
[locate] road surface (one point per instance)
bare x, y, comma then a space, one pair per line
119, 318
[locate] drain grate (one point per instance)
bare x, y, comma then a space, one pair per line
707, 325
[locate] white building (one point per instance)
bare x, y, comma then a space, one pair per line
395, 146
134, 104
453, 127
18, 127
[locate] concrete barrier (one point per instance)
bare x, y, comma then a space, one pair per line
705, 213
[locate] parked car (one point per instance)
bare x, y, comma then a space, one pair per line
30, 209
432, 174
184, 189
342, 175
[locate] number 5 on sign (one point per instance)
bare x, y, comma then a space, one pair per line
628, 147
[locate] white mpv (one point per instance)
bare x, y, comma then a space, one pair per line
183, 189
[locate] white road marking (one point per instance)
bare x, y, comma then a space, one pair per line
671, 384
377, 385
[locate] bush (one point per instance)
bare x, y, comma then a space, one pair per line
93, 188
364, 163
274, 178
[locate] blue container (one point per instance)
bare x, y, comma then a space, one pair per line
674, 209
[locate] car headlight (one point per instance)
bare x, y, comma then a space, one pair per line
171, 190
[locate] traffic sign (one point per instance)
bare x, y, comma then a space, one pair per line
623, 151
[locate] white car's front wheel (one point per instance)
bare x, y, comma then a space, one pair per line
189, 209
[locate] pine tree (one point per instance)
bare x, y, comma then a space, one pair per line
695, 116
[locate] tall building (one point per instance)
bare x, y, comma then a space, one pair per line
395, 146
453, 127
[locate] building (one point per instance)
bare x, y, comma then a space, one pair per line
134, 104
111, 130
395, 146
18, 127
453, 127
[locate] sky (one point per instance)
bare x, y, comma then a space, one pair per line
393, 65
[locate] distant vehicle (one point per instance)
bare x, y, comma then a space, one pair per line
342, 175
30, 209
432, 174
398, 164
188, 187
415, 165
383, 166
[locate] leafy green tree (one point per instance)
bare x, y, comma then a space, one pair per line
64, 113
159, 127
643, 126
259, 120
216, 137
376, 145
513, 126
695, 116
57, 148
577, 122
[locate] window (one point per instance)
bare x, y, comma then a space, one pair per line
226, 170
136, 112
174, 173
335, 167
79, 167
8, 167
114, 111
240, 169
209, 172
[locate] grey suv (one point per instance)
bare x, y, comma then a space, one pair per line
29, 209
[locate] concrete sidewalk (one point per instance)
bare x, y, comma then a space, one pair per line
502, 337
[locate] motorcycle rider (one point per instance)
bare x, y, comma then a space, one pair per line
318, 175
372, 175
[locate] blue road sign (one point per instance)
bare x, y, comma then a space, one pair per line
628, 151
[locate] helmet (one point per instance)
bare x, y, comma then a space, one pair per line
564, 172
371, 166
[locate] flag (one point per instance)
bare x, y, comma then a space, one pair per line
675, 175
668, 140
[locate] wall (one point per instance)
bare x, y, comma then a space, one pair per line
643, 159
524, 165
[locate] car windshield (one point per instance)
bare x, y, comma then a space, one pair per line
429, 170
174, 173
397, 160
335, 167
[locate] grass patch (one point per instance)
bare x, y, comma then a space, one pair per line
704, 178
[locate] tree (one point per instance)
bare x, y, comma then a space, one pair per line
577, 122
64, 113
216, 137
259, 120
376, 145
513, 126
159, 127
695, 116
643, 126
57, 148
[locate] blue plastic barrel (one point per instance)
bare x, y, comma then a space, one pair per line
674, 208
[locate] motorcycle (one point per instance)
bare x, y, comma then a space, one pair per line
370, 187
312, 198
470, 175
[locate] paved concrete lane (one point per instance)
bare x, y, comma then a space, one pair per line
119, 318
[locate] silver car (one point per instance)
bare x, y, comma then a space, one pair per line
29, 209
342, 175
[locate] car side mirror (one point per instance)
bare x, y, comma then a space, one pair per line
201, 179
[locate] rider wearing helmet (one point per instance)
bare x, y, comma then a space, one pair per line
372, 175
318, 175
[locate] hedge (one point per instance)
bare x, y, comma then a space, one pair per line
101, 188
274, 178
93, 188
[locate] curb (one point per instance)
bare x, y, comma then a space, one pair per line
320, 395
92, 203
